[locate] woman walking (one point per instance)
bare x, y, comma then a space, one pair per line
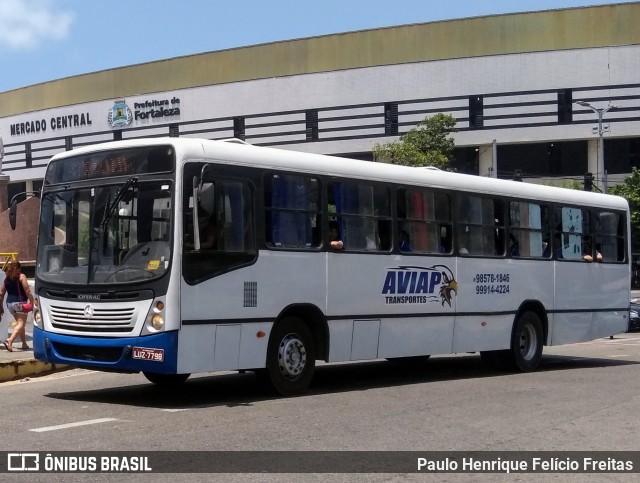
16, 286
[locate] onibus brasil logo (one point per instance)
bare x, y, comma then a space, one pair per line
419, 285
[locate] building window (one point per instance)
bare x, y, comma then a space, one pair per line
391, 118
565, 109
476, 112
311, 117
238, 128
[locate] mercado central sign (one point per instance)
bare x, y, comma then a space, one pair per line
119, 114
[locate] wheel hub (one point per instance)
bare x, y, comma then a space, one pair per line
292, 356
528, 342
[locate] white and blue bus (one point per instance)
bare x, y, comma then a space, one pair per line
173, 256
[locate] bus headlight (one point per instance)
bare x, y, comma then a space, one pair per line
156, 316
37, 318
157, 322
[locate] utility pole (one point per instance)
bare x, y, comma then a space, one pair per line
601, 177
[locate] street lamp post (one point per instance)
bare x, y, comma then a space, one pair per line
600, 112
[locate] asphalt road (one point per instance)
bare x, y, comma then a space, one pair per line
583, 397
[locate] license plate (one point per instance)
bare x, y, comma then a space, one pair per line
156, 355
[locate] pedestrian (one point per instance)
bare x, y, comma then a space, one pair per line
19, 296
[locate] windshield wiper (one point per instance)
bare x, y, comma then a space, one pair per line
114, 204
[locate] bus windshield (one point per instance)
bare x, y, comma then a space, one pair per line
109, 234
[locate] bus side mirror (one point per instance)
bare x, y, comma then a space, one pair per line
13, 211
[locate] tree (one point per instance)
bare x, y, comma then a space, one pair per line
427, 144
630, 190
570, 184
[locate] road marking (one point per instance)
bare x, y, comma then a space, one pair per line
73, 425
174, 410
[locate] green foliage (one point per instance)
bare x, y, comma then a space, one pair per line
427, 144
630, 190
572, 184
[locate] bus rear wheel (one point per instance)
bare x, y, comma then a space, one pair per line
526, 346
291, 357
527, 342
166, 379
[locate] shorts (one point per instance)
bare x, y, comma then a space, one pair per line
15, 308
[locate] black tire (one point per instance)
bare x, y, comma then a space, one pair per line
526, 346
526, 342
166, 379
291, 359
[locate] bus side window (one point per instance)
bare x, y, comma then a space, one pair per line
608, 231
529, 230
480, 226
571, 227
362, 214
292, 215
424, 221
229, 205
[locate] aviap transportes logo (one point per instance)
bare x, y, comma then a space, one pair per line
419, 285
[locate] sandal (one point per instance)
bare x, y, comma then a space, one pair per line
7, 346
25, 347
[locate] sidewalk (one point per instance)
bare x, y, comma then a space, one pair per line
21, 364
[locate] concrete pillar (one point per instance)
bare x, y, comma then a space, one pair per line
4, 202
487, 165
592, 161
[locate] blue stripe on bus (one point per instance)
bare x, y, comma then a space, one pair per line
106, 353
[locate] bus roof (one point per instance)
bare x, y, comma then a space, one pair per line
244, 154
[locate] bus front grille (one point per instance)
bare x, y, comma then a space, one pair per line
82, 353
105, 320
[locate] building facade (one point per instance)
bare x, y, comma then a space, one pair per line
513, 83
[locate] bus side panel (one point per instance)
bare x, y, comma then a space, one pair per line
416, 336
615, 295
482, 333
222, 316
490, 293
341, 336
404, 305
224, 347
590, 301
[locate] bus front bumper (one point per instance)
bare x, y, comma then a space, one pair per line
154, 353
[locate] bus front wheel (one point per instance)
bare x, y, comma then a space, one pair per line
290, 357
527, 342
166, 379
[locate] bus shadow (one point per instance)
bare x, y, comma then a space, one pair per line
240, 389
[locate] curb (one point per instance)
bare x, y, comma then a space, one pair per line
21, 368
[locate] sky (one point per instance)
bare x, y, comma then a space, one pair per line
43, 40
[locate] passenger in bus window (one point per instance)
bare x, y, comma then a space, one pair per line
334, 237
557, 243
405, 242
514, 248
588, 254
546, 248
